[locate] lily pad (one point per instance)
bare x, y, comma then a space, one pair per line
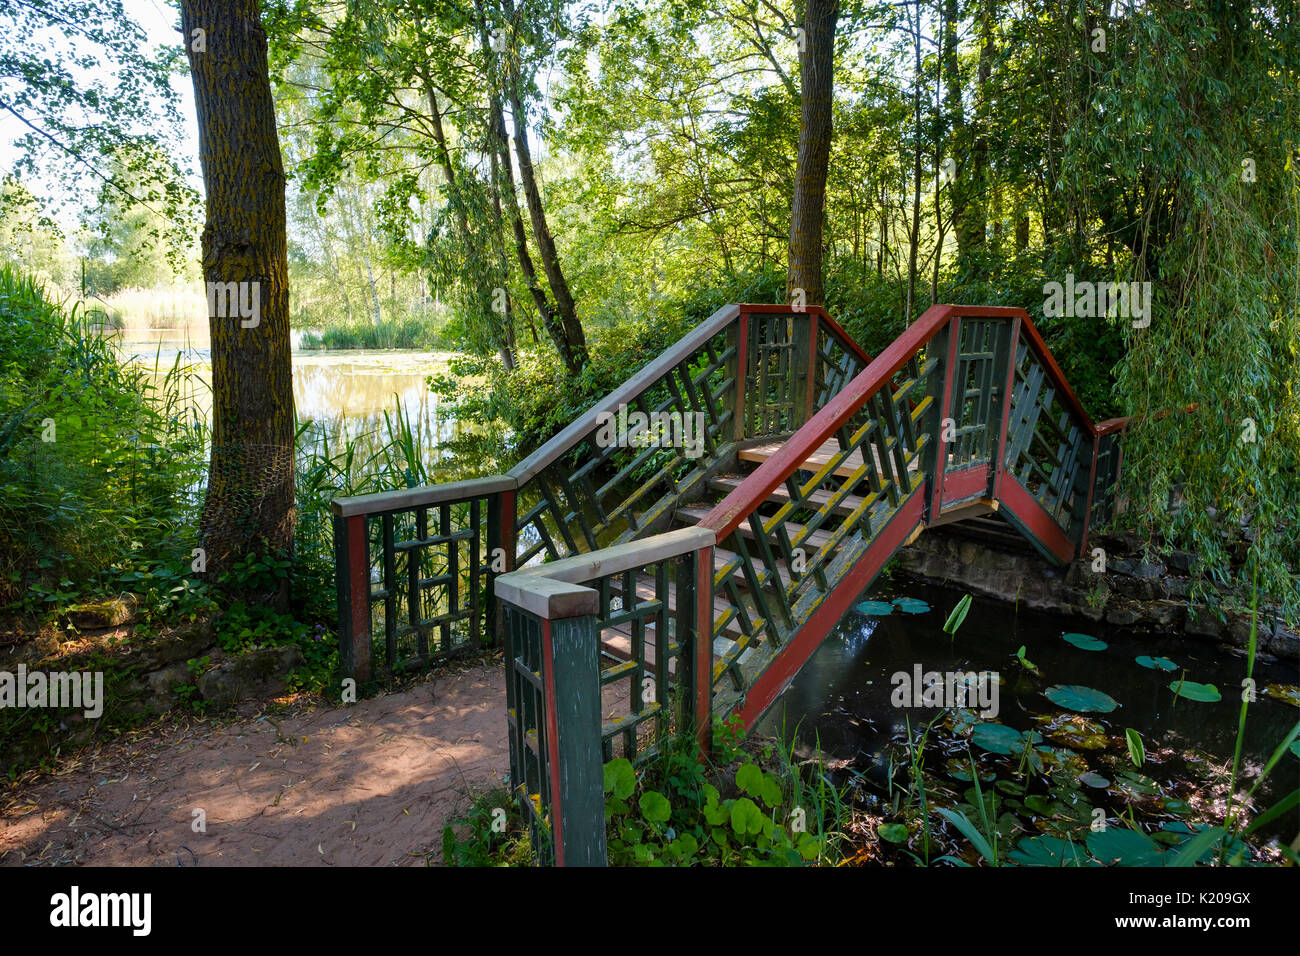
1094, 780
1047, 851
1287, 693
1189, 689
911, 605
1157, 663
1078, 697
875, 608
892, 832
1120, 846
1085, 642
1059, 759
996, 738
1039, 804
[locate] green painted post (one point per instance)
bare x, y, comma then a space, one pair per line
572, 678
801, 365
939, 388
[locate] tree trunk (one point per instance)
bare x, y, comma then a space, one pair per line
503, 174
574, 348
808, 206
914, 233
975, 222
374, 295
959, 189
249, 508
502, 328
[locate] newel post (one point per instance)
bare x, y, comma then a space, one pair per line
553, 680
802, 370
352, 579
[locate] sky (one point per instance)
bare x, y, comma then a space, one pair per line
159, 19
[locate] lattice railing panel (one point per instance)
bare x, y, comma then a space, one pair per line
1047, 446
609, 488
787, 560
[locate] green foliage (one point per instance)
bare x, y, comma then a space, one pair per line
401, 333
99, 460
497, 835
679, 818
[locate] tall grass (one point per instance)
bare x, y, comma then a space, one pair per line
100, 460
409, 333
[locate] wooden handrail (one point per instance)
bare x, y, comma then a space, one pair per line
761, 483
846, 340
554, 590
404, 499
590, 420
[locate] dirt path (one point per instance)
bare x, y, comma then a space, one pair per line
370, 784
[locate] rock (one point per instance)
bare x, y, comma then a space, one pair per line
1122, 566
1165, 613
31, 650
1178, 587
1201, 622
1239, 631
111, 613
256, 673
1078, 574
1181, 561
1121, 615
1285, 642
179, 644
1148, 571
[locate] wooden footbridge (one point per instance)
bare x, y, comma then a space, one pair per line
643, 584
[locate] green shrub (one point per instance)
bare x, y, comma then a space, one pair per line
100, 460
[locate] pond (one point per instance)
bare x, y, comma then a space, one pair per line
345, 394
854, 700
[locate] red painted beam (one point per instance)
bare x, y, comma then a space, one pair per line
771, 474
359, 596
1034, 517
945, 411
969, 482
703, 689
799, 648
1008, 386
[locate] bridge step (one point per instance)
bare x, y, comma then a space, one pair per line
729, 483
819, 458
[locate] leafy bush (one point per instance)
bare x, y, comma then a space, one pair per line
99, 458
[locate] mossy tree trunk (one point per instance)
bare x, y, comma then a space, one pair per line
808, 207
249, 508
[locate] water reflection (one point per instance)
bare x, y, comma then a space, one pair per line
345, 395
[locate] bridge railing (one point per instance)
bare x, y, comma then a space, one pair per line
572, 706
421, 561
415, 567
963, 413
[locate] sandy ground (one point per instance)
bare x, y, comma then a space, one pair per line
370, 784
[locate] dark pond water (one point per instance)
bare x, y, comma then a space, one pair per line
841, 700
